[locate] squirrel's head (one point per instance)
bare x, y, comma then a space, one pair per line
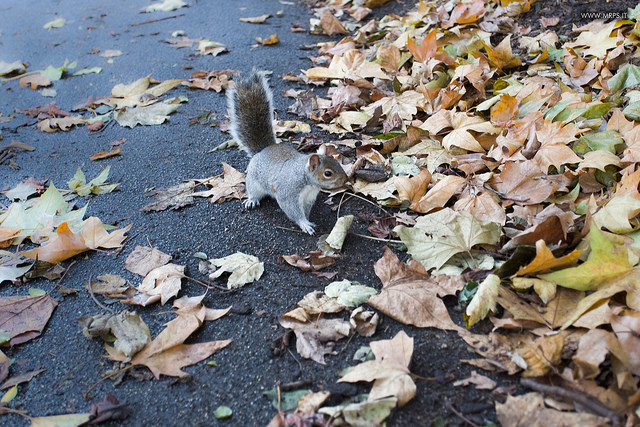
326, 171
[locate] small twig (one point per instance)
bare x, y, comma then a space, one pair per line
209, 286
151, 21
347, 343
290, 229
294, 358
504, 196
592, 405
93, 297
61, 277
369, 201
376, 238
462, 417
106, 377
7, 410
447, 377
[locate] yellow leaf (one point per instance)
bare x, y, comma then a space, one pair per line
542, 355
10, 394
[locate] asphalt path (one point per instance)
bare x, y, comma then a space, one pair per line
165, 155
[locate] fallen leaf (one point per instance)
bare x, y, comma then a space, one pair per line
130, 332
143, 259
108, 409
24, 317
389, 370
174, 197
106, 154
56, 23
243, 268
60, 420
269, 41
35, 81
409, 295
484, 301
316, 339
338, 233
257, 19
162, 283
165, 6
480, 381
330, 24
223, 189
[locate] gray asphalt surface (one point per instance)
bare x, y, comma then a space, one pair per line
161, 156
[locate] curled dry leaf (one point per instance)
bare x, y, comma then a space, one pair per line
389, 371
335, 239
316, 339
130, 331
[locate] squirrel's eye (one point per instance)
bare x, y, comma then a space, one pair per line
328, 173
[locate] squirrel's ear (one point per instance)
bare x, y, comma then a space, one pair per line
322, 150
313, 162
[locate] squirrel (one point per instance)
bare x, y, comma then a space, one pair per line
277, 170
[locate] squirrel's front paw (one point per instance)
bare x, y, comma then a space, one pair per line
308, 227
251, 203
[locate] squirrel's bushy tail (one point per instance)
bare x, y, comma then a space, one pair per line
251, 113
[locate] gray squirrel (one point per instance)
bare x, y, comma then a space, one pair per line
277, 170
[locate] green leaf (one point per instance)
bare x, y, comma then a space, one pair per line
91, 70
67, 420
608, 260
348, 294
627, 76
222, 412
10, 394
36, 292
288, 399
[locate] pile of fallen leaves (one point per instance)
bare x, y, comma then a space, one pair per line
516, 182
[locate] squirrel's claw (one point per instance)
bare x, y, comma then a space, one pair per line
308, 227
251, 203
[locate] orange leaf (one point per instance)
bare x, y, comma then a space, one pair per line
106, 154
63, 245
545, 260
505, 110
426, 50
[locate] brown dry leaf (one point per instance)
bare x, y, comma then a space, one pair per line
316, 339
480, 381
498, 348
167, 354
257, 19
462, 126
502, 56
174, 197
130, 331
427, 48
413, 188
318, 302
505, 110
439, 194
523, 182
627, 329
162, 283
224, 189
330, 24
35, 81
593, 348
554, 150
549, 22
210, 80
389, 371
312, 262
109, 284
529, 410
542, 355
19, 379
24, 317
143, 259
411, 296
545, 260
60, 123
106, 154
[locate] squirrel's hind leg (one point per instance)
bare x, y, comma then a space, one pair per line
255, 193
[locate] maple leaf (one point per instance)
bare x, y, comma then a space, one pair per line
167, 354
243, 268
541, 355
23, 318
462, 125
524, 182
438, 236
502, 56
174, 197
607, 261
411, 296
223, 189
615, 215
148, 115
389, 371
130, 331
427, 48
595, 43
